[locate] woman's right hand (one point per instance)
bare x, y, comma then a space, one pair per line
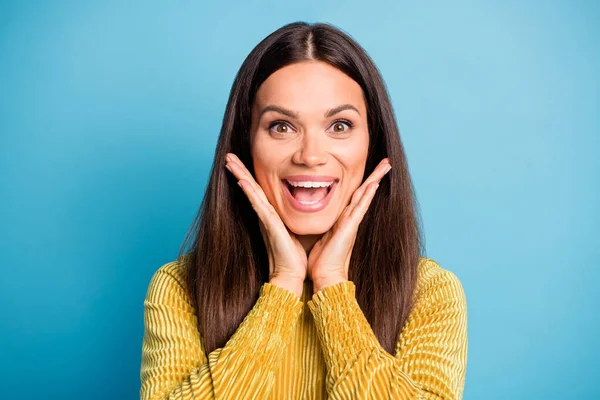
287, 257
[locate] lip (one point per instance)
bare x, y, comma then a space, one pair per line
309, 207
312, 178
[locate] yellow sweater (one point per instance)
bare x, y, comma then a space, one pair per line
313, 347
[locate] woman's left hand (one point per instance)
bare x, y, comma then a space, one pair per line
329, 258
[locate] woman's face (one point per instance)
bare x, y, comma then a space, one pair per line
309, 128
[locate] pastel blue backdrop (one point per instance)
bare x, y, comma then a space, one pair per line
109, 115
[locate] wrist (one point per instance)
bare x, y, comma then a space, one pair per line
320, 284
291, 285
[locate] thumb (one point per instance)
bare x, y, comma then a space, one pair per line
263, 232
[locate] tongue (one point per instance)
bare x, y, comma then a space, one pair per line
309, 194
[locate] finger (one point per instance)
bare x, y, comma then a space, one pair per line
261, 205
376, 176
241, 172
237, 168
265, 236
263, 231
265, 211
359, 211
378, 173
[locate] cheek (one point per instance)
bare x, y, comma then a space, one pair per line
260, 159
261, 174
265, 154
353, 157
354, 150
354, 165
265, 170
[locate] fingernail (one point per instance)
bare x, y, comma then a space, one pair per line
239, 184
388, 169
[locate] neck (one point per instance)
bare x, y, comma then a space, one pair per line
308, 241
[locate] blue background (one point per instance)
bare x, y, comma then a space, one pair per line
109, 115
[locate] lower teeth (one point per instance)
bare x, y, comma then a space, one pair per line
308, 202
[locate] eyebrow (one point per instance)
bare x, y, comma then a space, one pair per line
292, 114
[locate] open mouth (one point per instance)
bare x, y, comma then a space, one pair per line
309, 196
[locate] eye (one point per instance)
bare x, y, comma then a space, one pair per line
340, 123
284, 127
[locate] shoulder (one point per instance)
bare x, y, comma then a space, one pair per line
435, 284
168, 284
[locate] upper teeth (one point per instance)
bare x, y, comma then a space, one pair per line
310, 184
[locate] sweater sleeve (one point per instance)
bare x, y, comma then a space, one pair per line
174, 364
430, 360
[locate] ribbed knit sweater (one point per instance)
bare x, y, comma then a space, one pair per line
315, 347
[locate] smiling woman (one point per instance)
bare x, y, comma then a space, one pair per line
291, 135
307, 279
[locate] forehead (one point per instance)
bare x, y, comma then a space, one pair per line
309, 86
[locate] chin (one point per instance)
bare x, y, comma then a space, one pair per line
309, 225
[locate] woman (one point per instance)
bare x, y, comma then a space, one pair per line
305, 280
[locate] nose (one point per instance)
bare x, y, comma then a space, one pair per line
311, 150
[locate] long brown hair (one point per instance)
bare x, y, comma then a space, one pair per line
228, 259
